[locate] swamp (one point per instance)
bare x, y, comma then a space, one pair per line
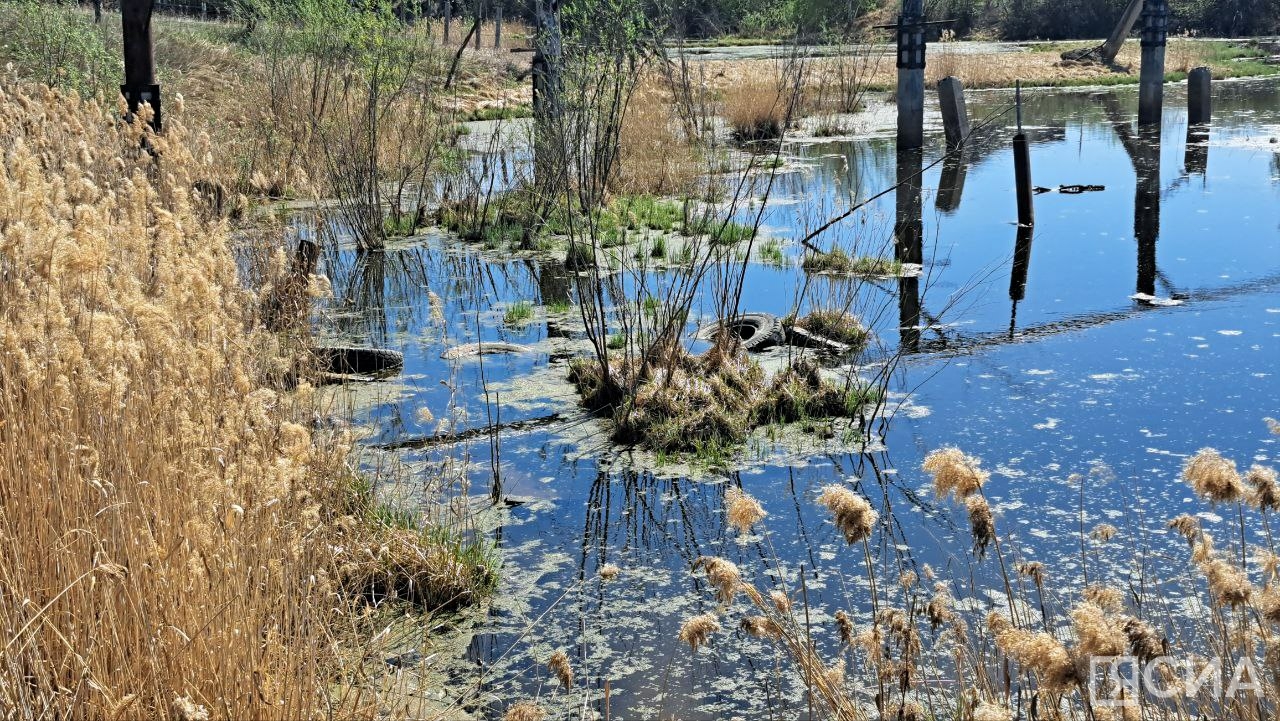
352, 369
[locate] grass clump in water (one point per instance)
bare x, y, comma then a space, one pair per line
518, 313
755, 111
839, 262
771, 253
837, 325
802, 393
676, 402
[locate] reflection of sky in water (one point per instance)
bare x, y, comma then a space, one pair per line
1110, 390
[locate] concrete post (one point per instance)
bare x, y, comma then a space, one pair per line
1199, 96
955, 118
139, 63
910, 61
1155, 16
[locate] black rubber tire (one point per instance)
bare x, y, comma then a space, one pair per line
347, 360
756, 331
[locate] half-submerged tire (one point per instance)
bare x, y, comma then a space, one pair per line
351, 360
756, 331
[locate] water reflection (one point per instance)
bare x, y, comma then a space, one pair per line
1146, 206
951, 186
909, 244
1018, 272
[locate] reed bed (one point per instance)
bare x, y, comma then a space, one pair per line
176, 541
927, 653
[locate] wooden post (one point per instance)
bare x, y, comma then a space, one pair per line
1022, 170
497, 27
955, 117
479, 21
1155, 16
448, 17
911, 75
97, 11
1199, 98
139, 63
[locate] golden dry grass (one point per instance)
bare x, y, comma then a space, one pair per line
756, 109
654, 155
980, 70
160, 508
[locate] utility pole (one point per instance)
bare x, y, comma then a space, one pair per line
139, 63
911, 75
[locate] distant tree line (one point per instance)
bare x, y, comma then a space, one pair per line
816, 19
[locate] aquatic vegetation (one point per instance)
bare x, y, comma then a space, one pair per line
837, 325
162, 489
771, 252
853, 515
559, 306
839, 262
525, 711
518, 313
1213, 477
756, 110
1054, 653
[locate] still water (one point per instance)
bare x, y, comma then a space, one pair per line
1133, 326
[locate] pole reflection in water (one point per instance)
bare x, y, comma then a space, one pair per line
1146, 206
955, 166
1018, 274
1197, 157
909, 245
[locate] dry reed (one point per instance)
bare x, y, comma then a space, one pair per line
161, 510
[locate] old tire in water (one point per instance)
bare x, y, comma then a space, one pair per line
756, 331
349, 360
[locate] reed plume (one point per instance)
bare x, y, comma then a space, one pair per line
525, 711
743, 511
559, 665
697, 631
1213, 477
853, 515
955, 472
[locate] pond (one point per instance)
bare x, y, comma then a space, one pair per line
1083, 362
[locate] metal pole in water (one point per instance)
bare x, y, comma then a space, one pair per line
1022, 168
